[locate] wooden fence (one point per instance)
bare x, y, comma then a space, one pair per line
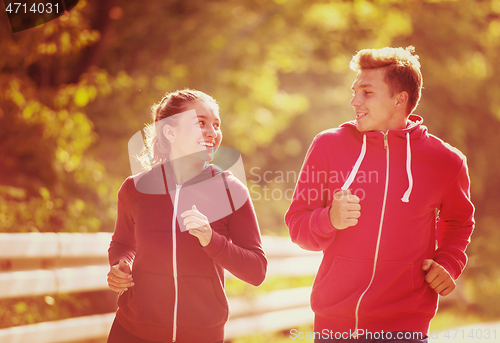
50, 263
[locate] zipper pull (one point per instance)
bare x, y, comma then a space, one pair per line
386, 143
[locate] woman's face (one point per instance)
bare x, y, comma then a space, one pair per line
198, 130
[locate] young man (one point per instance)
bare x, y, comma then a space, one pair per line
376, 195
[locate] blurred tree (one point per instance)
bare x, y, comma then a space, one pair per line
75, 89
458, 43
47, 182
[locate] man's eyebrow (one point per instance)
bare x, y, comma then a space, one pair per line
365, 85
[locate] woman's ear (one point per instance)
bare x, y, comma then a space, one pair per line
168, 132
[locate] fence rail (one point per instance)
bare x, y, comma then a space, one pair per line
50, 263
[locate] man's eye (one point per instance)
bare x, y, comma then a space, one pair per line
201, 123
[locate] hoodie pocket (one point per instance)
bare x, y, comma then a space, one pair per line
151, 300
338, 292
202, 302
392, 290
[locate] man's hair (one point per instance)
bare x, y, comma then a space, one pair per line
402, 70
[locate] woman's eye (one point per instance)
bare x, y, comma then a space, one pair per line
201, 123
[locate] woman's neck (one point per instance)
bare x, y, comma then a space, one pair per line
185, 170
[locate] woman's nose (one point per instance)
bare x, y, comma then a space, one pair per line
210, 131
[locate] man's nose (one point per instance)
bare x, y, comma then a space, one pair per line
354, 101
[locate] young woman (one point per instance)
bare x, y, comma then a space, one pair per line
178, 226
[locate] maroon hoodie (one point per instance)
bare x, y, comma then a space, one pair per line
179, 285
414, 192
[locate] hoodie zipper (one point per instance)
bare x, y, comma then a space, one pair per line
174, 260
386, 147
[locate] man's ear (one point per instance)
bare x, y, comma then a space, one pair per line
402, 100
168, 132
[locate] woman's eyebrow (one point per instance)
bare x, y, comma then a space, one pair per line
202, 116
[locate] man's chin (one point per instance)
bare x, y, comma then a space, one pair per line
364, 126
360, 127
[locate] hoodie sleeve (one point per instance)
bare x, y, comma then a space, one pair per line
308, 218
123, 244
455, 224
242, 255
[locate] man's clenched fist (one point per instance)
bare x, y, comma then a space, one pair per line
438, 278
345, 210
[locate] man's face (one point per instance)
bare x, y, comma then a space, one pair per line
373, 104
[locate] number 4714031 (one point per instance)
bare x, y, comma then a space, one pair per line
470, 334
19, 7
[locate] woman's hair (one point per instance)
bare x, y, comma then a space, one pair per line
157, 147
402, 70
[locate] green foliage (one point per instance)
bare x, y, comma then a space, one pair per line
237, 288
459, 63
50, 183
450, 319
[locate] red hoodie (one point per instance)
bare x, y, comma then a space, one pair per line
371, 278
178, 294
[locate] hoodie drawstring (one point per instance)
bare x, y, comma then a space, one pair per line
406, 196
354, 170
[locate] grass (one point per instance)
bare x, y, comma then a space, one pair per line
235, 287
278, 337
452, 318
444, 320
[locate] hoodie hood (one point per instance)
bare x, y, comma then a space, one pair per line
414, 122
